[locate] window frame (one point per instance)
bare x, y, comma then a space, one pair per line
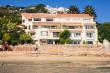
37, 19
49, 19
89, 34
44, 33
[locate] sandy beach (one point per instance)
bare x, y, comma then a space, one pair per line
54, 58
32, 56
23, 63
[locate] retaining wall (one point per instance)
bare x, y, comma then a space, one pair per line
73, 50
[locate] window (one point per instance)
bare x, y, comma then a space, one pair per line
89, 42
54, 27
44, 33
55, 34
74, 27
32, 34
35, 27
71, 27
29, 27
25, 27
44, 41
65, 27
45, 26
76, 42
77, 34
37, 19
30, 20
86, 19
89, 27
23, 21
50, 41
49, 19
90, 35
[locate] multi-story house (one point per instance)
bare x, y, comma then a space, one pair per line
44, 28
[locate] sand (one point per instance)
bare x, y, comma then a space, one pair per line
12, 62
32, 56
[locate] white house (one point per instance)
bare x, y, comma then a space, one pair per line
55, 10
44, 28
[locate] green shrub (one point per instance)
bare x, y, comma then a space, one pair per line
1, 42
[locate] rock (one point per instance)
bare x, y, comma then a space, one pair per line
106, 44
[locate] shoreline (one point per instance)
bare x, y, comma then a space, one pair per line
32, 56
53, 58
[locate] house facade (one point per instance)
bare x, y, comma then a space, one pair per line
44, 28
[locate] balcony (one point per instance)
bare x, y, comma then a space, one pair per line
90, 30
46, 23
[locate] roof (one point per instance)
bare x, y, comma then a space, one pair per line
33, 15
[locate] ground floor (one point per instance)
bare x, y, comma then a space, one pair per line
56, 41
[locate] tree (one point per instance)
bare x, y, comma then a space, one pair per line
6, 26
11, 13
104, 31
40, 8
60, 12
10, 32
6, 37
73, 10
90, 10
64, 37
30, 10
24, 38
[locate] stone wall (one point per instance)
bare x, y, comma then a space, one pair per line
25, 47
73, 50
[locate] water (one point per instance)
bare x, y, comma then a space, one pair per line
55, 67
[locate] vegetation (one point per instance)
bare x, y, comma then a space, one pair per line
9, 32
90, 10
73, 10
10, 12
40, 8
64, 37
24, 38
6, 37
103, 31
10, 17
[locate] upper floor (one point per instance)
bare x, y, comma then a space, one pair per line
61, 18
54, 22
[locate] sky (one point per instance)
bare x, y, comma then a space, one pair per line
102, 7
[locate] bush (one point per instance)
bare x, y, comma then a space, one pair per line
15, 42
69, 41
1, 42
64, 37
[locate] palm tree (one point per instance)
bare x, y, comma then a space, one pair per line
73, 10
90, 10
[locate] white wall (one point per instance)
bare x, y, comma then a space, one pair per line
62, 20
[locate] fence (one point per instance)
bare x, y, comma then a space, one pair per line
26, 47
